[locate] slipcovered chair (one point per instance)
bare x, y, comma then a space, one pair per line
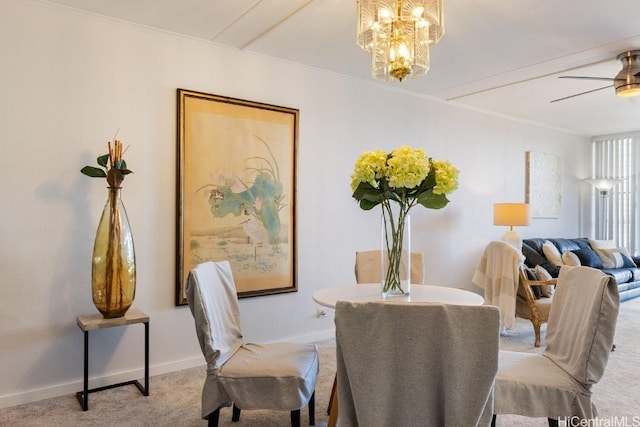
528, 306
497, 274
368, 267
394, 371
580, 334
278, 376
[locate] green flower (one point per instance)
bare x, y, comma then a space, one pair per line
407, 167
405, 176
446, 177
370, 166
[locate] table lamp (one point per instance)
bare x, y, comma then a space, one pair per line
511, 214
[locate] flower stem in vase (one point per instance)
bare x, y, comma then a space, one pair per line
393, 248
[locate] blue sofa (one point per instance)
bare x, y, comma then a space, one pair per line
627, 278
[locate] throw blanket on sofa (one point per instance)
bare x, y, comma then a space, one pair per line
497, 274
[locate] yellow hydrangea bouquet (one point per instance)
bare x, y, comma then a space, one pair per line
407, 177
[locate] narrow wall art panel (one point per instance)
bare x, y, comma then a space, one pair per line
543, 184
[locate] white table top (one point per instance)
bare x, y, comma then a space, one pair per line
419, 293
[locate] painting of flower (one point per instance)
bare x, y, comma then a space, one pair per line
237, 191
261, 200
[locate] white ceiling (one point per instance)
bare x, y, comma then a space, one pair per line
502, 56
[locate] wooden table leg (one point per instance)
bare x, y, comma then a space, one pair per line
333, 393
333, 405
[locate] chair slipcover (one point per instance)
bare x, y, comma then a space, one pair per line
394, 371
497, 273
276, 376
368, 267
580, 335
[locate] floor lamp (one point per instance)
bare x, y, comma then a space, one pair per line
603, 186
511, 214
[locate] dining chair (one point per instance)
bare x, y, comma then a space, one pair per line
580, 333
497, 274
368, 267
392, 370
275, 376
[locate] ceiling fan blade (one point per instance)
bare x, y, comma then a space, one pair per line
581, 93
588, 78
513, 83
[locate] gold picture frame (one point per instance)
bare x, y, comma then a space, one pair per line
236, 191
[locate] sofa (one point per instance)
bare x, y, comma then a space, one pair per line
598, 254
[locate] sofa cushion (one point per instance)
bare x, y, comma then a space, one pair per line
615, 257
621, 275
570, 244
552, 253
628, 286
543, 275
611, 258
536, 243
532, 257
570, 259
531, 275
532, 250
602, 244
627, 262
588, 257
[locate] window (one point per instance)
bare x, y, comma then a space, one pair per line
617, 212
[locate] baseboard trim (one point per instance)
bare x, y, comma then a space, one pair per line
75, 386
159, 369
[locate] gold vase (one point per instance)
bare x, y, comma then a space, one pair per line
113, 274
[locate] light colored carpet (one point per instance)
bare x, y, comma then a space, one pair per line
174, 398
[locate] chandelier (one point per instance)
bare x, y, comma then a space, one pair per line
398, 34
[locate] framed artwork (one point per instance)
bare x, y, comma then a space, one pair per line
237, 191
543, 184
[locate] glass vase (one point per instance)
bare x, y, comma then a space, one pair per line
395, 262
113, 273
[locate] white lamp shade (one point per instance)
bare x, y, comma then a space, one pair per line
604, 184
511, 214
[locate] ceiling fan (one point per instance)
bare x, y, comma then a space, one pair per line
626, 82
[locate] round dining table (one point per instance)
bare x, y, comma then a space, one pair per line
328, 297
364, 292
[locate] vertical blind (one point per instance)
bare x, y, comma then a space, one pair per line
618, 157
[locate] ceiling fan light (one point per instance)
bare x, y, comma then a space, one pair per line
398, 34
628, 91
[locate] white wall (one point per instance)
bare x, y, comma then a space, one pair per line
70, 80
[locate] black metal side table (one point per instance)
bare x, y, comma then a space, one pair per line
96, 321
